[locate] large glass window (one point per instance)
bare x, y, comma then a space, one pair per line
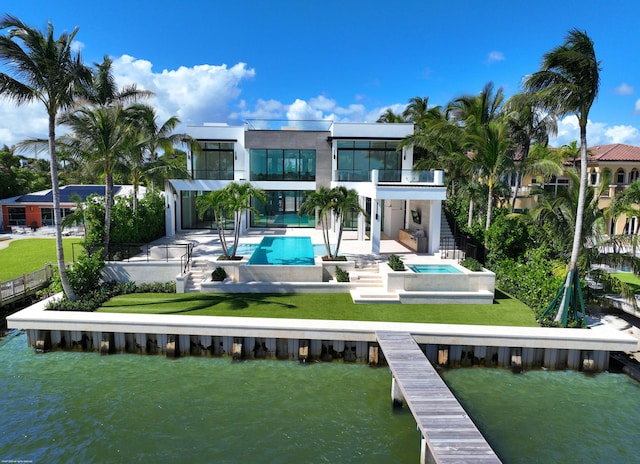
281, 210
215, 162
190, 218
357, 158
17, 216
283, 164
46, 215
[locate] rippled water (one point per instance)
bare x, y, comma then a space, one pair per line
82, 407
553, 417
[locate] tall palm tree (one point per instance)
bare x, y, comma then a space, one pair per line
492, 158
568, 83
474, 111
155, 137
101, 137
104, 91
50, 71
527, 124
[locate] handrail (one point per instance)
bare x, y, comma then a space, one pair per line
185, 259
21, 286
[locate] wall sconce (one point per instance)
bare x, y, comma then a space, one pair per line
235, 155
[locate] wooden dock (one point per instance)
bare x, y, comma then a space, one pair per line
448, 434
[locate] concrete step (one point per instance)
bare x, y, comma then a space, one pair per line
364, 295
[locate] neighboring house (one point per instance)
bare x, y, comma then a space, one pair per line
618, 163
35, 210
287, 159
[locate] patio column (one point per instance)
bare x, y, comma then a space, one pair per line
376, 216
362, 220
435, 219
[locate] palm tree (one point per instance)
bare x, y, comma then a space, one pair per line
48, 70
216, 202
319, 201
154, 138
440, 141
235, 198
101, 137
344, 201
527, 124
492, 158
474, 111
390, 117
240, 197
568, 82
331, 204
103, 90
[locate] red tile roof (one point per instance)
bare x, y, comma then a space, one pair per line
614, 152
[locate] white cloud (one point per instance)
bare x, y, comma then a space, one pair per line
598, 133
28, 121
623, 134
637, 107
623, 89
495, 56
198, 94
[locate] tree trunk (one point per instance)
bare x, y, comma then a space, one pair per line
577, 234
470, 218
57, 218
489, 208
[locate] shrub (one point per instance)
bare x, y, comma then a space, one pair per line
218, 274
86, 273
471, 264
342, 275
395, 263
93, 300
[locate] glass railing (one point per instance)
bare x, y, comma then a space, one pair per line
396, 176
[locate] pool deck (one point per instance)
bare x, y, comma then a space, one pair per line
208, 244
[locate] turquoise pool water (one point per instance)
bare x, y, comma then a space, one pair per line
247, 249
278, 251
435, 269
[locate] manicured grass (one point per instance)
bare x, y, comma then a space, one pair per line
30, 254
630, 278
332, 306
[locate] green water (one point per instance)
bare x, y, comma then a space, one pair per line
553, 417
64, 407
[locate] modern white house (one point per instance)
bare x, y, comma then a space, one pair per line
287, 159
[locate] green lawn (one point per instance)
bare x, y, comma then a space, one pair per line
30, 254
630, 278
332, 306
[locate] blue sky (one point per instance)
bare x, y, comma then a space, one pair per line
228, 61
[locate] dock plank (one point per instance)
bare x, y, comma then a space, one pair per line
447, 429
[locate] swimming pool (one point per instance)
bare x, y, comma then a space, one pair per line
435, 269
290, 251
